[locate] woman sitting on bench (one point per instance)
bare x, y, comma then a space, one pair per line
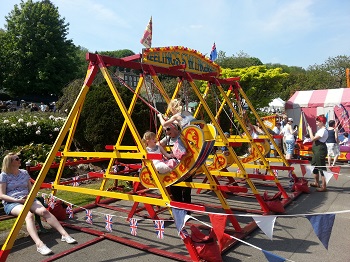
14, 188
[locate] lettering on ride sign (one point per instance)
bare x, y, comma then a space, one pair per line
173, 56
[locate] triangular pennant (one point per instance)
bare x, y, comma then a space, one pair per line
335, 170
69, 211
75, 181
180, 218
272, 257
303, 169
88, 217
109, 223
322, 225
266, 224
219, 223
133, 226
159, 226
327, 175
309, 170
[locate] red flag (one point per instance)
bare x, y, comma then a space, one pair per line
335, 170
219, 223
146, 40
303, 169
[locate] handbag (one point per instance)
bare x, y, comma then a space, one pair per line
59, 210
274, 203
301, 184
206, 245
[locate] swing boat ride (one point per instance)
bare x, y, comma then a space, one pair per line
220, 175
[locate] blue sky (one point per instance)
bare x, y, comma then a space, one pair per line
295, 33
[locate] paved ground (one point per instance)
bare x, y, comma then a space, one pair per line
294, 238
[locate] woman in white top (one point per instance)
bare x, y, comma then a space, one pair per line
288, 138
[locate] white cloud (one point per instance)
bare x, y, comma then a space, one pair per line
294, 16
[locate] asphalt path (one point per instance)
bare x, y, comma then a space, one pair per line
293, 236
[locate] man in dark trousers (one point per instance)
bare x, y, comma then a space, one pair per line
180, 194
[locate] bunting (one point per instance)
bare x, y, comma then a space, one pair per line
273, 257
328, 176
322, 225
275, 172
43, 195
184, 234
133, 226
146, 40
303, 169
159, 226
219, 224
335, 170
52, 201
266, 224
69, 211
180, 218
109, 223
75, 181
309, 170
88, 217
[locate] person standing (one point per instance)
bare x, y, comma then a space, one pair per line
277, 131
288, 139
180, 194
332, 143
345, 140
319, 150
14, 188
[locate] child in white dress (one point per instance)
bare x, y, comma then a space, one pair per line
165, 165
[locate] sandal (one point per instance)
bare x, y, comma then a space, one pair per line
313, 184
321, 189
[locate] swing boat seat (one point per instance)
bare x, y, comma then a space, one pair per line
199, 143
222, 160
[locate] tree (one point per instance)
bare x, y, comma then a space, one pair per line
40, 59
241, 60
258, 82
336, 67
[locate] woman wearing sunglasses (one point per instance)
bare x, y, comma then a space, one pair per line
14, 188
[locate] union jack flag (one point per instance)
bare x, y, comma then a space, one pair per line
184, 234
75, 181
43, 195
133, 226
275, 172
89, 217
159, 226
69, 211
52, 201
109, 223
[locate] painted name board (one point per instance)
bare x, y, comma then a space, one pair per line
176, 55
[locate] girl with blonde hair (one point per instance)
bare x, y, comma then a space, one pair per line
165, 165
179, 116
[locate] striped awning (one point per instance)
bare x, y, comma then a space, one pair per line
319, 98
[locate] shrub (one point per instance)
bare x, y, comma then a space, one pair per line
23, 128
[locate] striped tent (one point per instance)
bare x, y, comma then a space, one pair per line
316, 102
